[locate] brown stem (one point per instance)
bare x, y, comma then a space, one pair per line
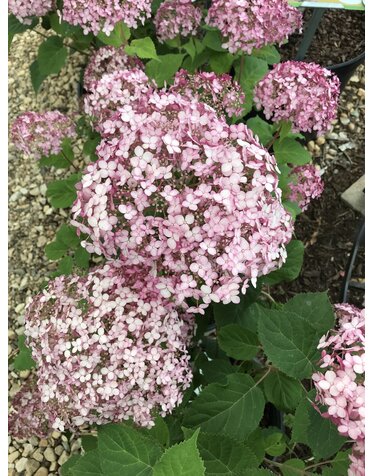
69, 161
271, 142
241, 68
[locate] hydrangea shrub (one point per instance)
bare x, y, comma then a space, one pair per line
171, 351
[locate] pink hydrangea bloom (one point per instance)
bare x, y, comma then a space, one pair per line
97, 15
24, 9
108, 95
108, 59
306, 184
108, 347
304, 93
41, 134
179, 186
219, 91
176, 17
254, 23
340, 386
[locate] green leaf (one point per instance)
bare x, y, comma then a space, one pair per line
58, 161
289, 151
315, 308
261, 128
291, 207
257, 472
255, 442
160, 431
52, 55
274, 442
124, 450
285, 129
82, 258
15, 27
143, 48
24, 360
182, 459
224, 456
60, 26
164, 68
289, 342
36, 76
213, 41
253, 70
65, 266
233, 409
221, 62
323, 436
62, 193
268, 53
301, 423
66, 238
66, 468
90, 147
216, 370
238, 342
190, 48
292, 266
89, 442
283, 391
291, 467
88, 465
118, 37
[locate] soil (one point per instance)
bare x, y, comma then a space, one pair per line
329, 226
339, 38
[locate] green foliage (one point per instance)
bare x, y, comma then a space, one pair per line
268, 53
249, 70
62, 160
292, 266
289, 342
118, 37
274, 441
52, 55
292, 467
164, 67
261, 128
24, 360
289, 151
65, 240
216, 370
181, 460
62, 193
283, 391
233, 409
238, 342
144, 48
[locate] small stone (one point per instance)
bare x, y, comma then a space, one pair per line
332, 136
344, 120
76, 445
13, 456
34, 192
11, 334
361, 93
41, 241
38, 455
21, 464
58, 450
320, 140
311, 145
354, 79
24, 374
34, 441
43, 443
31, 467
27, 448
56, 435
53, 466
42, 472
351, 127
49, 454
11, 472
19, 308
63, 458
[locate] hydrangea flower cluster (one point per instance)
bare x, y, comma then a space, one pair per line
176, 17
112, 92
341, 385
248, 24
108, 59
304, 93
108, 347
181, 187
24, 9
306, 184
97, 15
41, 134
219, 91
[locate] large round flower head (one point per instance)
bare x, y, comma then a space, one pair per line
24, 9
97, 15
108, 347
340, 386
305, 185
108, 95
176, 17
219, 91
108, 59
304, 93
41, 134
248, 24
181, 187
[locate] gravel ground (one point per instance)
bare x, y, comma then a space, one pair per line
33, 222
